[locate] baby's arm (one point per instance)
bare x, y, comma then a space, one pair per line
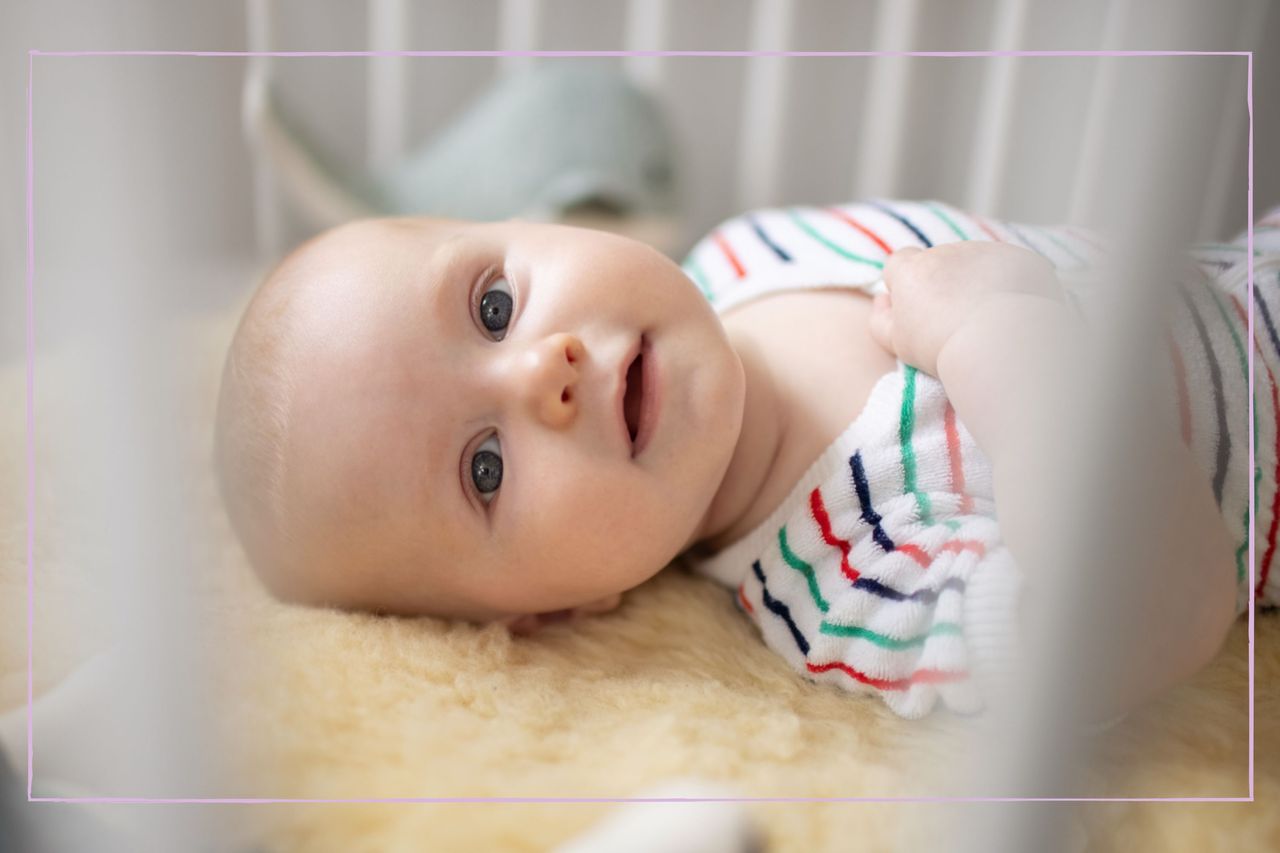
993, 327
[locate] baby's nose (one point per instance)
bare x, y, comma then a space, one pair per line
548, 376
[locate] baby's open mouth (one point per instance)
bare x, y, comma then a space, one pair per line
634, 395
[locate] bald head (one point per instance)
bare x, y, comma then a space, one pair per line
311, 531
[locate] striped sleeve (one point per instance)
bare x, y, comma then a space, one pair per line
797, 247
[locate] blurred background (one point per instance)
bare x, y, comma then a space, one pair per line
144, 160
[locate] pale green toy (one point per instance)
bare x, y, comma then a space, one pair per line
540, 145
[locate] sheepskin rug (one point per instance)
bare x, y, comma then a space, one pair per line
673, 685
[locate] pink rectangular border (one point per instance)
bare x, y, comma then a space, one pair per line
30, 323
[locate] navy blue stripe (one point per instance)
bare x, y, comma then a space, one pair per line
1266, 319
1219, 404
927, 596
920, 234
764, 238
779, 609
869, 515
1027, 241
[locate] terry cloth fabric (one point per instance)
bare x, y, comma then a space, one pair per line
883, 570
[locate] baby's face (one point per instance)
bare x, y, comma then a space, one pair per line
459, 441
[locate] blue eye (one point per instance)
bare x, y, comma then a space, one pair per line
495, 307
486, 468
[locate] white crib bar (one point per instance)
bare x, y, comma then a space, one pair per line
646, 30
1231, 141
388, 24
518, 30
880, 151
994, 123
760, 155
268, 223
1101, 94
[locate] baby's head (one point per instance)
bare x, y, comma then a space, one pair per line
428, 417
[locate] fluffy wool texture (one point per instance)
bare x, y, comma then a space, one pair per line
676, 683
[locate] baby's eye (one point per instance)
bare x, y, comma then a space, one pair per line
486, 468
495, 307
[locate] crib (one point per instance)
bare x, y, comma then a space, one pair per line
1023, 138
1027, 138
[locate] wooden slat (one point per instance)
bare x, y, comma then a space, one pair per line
1085, 186
518, 30
993, 125
1230, 145
763, 105
387, 88
646, 30
268, 213
888, 90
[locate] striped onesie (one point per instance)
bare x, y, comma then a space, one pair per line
883, 570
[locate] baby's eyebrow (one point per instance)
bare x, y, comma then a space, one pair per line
444, 273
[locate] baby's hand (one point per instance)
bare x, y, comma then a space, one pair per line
933, 292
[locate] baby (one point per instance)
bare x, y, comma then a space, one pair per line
519, 422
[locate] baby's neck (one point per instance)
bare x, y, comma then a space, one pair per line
764, 427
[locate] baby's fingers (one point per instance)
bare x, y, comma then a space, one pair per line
880, 324
896, 264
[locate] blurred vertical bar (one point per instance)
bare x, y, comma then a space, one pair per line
267, 213
763, 105
388, 25
1093, 135
993, 126
888, 88
125, 525
518, 31
1128, 186
1229, 146
646, 30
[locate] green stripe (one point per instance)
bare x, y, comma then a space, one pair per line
941, 629
842, 252
1062, 244
804, 568
694, 271
947, 219
1244, 368
906, 423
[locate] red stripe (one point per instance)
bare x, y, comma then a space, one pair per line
824, 524
728, 253
746, 604
916, 553
955, 546
920, 676
1270, 553
1275, 500
993, 235
957, 464
1180, 376
1083, 237
844, 217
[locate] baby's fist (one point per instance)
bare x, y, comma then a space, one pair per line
933, 292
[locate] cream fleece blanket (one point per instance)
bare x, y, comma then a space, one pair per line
675, 683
